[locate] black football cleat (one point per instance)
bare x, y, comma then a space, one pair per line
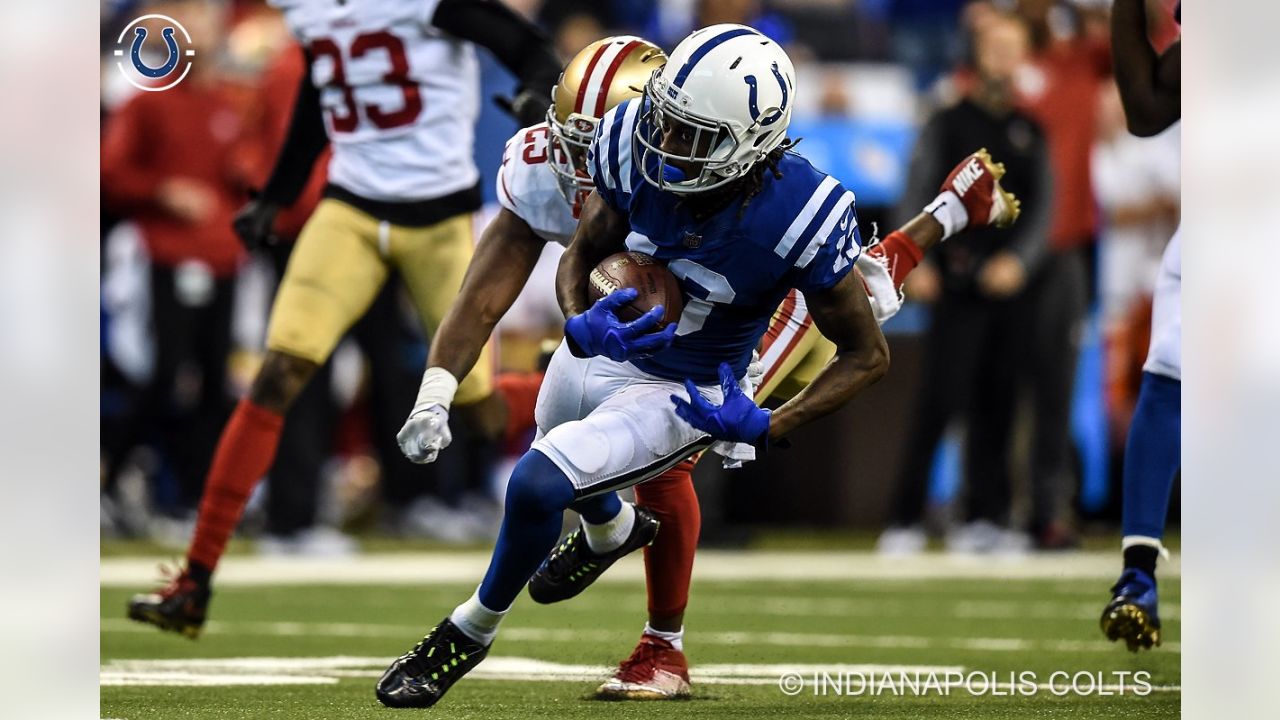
1132, 615
573, 566
178, 607
420, 677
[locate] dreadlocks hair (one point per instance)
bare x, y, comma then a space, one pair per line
753, 183
745, 188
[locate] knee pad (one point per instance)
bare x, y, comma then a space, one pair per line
537, 485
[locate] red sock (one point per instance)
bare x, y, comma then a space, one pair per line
902, 254
244, 455
668, 562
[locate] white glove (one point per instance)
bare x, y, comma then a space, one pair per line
755, 372
425, 434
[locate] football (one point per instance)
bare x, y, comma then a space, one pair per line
656, 285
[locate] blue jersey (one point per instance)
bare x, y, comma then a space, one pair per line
736, 266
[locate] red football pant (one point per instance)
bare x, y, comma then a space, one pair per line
244, 455
668, 562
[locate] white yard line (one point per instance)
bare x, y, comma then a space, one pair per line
410, 633
467, 567
329, 670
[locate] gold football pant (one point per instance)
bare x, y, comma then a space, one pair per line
341, 261
792, 351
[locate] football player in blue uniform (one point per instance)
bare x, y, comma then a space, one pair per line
1151, 90
697, 173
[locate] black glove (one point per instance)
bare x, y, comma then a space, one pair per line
253, 223
528, 107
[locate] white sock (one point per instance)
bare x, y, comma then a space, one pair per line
477, 621
610, 536
675, 638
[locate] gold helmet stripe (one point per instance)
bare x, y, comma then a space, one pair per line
599, 76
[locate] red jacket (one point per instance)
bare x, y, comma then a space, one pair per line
190, 132
1064, 98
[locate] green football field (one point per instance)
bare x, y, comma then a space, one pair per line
850, 635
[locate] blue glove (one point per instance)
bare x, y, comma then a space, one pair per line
737, 420
598, 331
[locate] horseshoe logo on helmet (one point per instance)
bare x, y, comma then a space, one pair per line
752, 98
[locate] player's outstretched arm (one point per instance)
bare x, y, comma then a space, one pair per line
601, 232
517, 43
843, 314
503, 261
501, 266
1150, 85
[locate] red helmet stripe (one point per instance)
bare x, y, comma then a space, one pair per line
603, 95
586, 78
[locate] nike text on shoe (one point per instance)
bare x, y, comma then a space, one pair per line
976, 184
1132, 614
572, 565
422, 676
178, 607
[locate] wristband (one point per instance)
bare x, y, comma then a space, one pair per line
949, 211
438, 388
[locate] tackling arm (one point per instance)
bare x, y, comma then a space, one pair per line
1150, 85
503, 261
501, 266
844, 316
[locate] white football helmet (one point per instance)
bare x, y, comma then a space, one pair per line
720, 105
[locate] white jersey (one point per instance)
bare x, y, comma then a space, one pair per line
400, 98
528, 187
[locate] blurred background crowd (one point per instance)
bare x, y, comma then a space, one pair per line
1016, 361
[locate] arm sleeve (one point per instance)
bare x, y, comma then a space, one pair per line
518, 44
304, 143
1031, 233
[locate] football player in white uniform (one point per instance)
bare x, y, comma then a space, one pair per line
1151, 91
393, 86
541, 185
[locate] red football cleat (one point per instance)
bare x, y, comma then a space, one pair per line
655, 671
976, 183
